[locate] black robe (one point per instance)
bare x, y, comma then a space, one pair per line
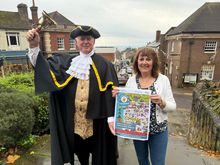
62, 107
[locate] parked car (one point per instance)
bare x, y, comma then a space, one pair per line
122, 79
123, 71
129, 70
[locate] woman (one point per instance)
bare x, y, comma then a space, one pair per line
147, 76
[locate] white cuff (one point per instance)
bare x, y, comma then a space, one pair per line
111, 119
32, 54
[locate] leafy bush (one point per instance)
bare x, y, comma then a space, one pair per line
3, 88
17, 117
24, 83
41, 124
28, 141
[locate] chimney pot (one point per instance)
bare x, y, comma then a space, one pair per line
158, 35
22, 10
34, 14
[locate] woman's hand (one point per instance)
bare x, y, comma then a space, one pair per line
158, 100
111, 127
115, 91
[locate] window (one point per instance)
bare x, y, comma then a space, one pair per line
210, 46
72, 43
172, 46
207, 72
13, 39
60, 43
190, 78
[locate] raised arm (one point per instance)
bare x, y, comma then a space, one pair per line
49, 73
33, 40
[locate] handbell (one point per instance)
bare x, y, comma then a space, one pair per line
45, 21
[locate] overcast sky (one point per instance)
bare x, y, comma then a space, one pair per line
128, 23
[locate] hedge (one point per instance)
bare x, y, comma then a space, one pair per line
17, 117
24, 83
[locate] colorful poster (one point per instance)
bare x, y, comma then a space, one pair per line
132, 113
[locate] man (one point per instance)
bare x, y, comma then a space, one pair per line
80, 100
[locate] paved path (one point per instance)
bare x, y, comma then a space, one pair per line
178, 153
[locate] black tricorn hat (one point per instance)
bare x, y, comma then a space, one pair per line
82, 30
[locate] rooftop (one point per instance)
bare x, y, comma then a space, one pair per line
204, 20
12, 20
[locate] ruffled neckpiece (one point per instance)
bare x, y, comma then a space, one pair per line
80, 66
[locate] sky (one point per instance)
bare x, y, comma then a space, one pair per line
121, 23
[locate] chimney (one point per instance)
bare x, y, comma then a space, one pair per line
34, 13
22, 10
157, 35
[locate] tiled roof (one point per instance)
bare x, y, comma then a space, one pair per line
12, 20
153, 44
204, 20
60, 19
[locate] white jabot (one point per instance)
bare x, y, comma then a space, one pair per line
81, 65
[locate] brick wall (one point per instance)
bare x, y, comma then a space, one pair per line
191, 59
54, 36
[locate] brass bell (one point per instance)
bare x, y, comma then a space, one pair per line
45, 21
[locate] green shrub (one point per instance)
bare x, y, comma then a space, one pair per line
28, 141
41, 124
3, 88
24, 83
17, 117
21, 78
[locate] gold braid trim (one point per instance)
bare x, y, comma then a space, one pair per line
99, 80
56, 82
80, 27
70, 77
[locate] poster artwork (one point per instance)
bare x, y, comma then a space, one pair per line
132, 113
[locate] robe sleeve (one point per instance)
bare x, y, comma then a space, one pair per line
111, 76
50, 73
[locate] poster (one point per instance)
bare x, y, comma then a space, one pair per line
132, 113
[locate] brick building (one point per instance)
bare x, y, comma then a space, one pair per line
159, 45
56, 39
192, 48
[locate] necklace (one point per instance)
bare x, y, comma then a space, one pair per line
146, 82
